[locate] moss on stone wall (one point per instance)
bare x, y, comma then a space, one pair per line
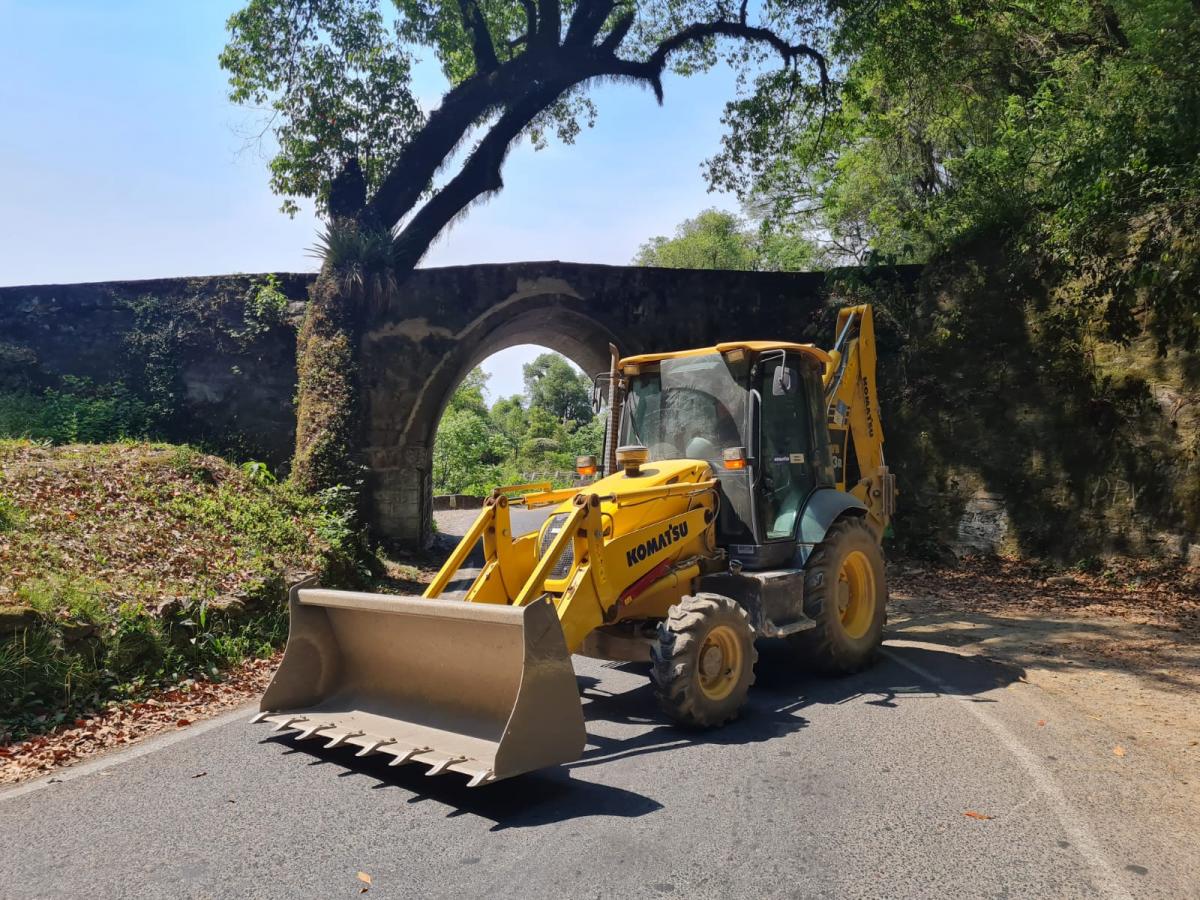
209, 361
998, 392
327, 396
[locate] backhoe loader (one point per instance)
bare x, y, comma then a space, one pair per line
746, 498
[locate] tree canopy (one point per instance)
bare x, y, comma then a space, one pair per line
553, 384
716, 239
537, 435
1069, 129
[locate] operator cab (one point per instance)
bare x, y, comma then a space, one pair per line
754, 411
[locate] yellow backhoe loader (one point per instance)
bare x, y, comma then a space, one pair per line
747, 498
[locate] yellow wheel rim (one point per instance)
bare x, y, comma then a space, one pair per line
720, 663
856, 595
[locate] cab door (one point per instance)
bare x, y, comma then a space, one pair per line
788, 460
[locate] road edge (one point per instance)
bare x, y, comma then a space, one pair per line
117, 757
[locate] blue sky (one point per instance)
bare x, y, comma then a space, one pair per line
121, 158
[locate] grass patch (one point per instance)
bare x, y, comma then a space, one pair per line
125, 567
11, 516
76, 411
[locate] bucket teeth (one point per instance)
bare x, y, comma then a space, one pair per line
371, 748
258, 717
342, 738
402, 758
482, 778
441, 767
288, 722
312, 730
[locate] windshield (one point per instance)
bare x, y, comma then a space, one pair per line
693, 407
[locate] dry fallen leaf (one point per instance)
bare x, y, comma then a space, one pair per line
971, 814
1118, 750
1041, 723
364, 877
183, 723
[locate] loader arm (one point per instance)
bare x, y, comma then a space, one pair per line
601, 586
852, 410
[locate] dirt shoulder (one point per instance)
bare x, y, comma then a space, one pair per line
1123, 646
123, 724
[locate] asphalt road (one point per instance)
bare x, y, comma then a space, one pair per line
854, 787
848, 788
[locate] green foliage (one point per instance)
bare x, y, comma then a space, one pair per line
554, 385
337, 79
78, 411
11, 515
258, 473
150, 563
720, 240
360, 258
1070, 130
540, 435
265, 306
52, 672
334, 77
712, 240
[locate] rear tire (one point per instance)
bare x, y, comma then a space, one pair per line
845, 593
703, 661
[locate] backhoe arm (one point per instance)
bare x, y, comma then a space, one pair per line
852, 406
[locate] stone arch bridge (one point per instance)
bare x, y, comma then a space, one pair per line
232, 379
443, 322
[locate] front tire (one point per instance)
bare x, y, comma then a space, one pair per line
703, 661
845, 593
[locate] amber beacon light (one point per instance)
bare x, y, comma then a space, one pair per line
734, 457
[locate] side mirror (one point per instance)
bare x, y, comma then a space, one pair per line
783, 382
600, 387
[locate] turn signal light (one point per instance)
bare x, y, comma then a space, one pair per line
734, 457
585, 466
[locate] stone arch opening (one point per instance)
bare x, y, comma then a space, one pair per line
577, 337
474, 450
414, 369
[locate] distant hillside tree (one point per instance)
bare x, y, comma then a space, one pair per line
478, 448
716, 239
554, 385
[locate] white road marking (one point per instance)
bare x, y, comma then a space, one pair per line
108, 760
1108, 882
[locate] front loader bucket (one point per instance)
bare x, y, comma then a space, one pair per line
486, 690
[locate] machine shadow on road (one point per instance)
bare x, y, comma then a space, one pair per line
780, 696
781, 693
538, 798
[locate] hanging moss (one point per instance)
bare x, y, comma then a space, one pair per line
356, 273
326, 415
